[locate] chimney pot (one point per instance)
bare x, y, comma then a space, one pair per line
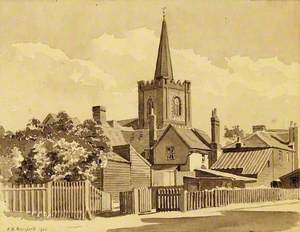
99, 114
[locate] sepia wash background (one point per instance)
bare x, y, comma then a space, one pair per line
242, 57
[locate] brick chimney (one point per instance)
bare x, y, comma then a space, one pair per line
152, 129
152, 134
215, 127
296, 144
258, 128
238, 143
99, 114
291, 133
215, 137
293, 142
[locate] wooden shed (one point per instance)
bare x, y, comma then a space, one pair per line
140, 168
209, 179
291, 180
114, 177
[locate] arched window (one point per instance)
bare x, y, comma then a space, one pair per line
149, 106
177, 106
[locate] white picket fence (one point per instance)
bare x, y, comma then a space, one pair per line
222, 197
178, 199
77, 200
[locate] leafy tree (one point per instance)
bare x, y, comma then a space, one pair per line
2, 131
234, 133
27, 173
60, 150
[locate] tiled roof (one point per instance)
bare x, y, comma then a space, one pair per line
261, 139
139, 139
191, 138
282, 136
227, 175
194, 138
129, 122
272, 142
250, 161
112, 156
204, 135
115, 136
296, 172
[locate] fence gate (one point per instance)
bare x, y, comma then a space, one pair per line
136, 201
126, 202
168, 199
143, 200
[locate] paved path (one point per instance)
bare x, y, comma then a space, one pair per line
266, 217
283, 216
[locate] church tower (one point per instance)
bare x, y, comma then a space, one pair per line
170, 99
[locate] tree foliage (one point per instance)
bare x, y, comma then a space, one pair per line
59, 150
234, 133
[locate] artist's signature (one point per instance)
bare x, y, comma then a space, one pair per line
26, 229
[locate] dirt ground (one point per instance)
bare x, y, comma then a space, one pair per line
279, 216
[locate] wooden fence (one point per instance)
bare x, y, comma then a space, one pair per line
78, 200
137, 201
223, 197
168, 199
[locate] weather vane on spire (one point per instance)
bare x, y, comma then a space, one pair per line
164, 12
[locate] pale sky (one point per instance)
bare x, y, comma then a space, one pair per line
242, 57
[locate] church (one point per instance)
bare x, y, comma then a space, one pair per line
163, 133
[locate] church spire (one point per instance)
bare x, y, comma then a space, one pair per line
163, 64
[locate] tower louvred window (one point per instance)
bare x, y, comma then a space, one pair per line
149, 106
176, 106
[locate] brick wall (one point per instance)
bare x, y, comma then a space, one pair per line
280, 163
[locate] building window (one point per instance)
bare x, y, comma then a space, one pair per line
149, 106
269, 163
177, 111
203, 158
170, 153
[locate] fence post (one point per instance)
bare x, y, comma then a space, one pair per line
135, 201
49, 198
183, 200
87, 199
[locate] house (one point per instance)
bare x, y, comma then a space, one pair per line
51, 118
260, 155
291, 180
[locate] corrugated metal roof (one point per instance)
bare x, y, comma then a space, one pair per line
251, 162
